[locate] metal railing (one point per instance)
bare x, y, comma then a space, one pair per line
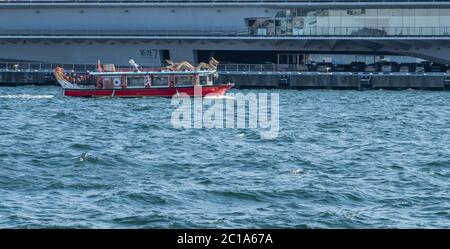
43, 67
223, 68
307, 69
48, 67
251, 68
68, 67
240, 32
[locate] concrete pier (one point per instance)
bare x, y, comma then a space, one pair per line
20, 78
282, 80
342, 81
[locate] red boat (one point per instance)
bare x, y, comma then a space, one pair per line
175, 79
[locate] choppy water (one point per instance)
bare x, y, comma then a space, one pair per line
344, 159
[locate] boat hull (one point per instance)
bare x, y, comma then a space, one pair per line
216, 90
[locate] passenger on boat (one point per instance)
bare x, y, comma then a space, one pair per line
147, 81
196, 80
172, 81
99, 84
123, 81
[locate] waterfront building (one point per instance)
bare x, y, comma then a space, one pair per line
234, 31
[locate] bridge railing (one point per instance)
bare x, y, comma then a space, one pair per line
240, 32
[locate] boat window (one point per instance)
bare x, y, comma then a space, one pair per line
135, 81
160, 82
184, 81
203, 80
107, 83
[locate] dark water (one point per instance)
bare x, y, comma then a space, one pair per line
344, 159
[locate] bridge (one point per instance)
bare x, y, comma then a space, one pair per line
81, 31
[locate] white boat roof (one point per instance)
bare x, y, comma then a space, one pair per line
194, 72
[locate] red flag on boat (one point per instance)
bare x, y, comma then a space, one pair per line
99, 66
99, 81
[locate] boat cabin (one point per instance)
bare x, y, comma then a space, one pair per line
110, 78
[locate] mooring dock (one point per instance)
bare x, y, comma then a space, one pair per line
247, 77
338, 80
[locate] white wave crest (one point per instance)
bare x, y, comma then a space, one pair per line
218, 97
26, 96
